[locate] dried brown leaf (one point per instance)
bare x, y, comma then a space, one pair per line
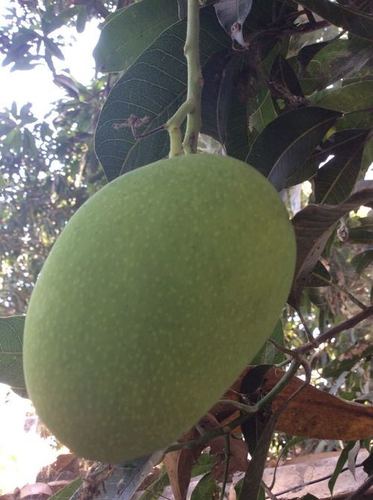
179, 465
317, 414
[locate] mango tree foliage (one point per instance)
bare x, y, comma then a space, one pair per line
287, 88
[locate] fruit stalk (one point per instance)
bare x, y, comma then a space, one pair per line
191, 108
195, 82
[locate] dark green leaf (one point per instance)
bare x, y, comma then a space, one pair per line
131, 31
53, 48
217, 94
368, 464
28, 145
11, 365
360, 235
340, 464
338, 59
206, 489
261, 111
293, 136
284, 81
81, 18
367, 159
313, 226
252, 480
150, 92
353, 97
319, 276
336, 179
355, 21
13, 140
362, 260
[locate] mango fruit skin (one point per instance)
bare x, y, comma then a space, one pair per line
159, 291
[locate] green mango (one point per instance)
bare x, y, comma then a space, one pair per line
159, 291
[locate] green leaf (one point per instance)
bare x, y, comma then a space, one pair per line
336, 60
13, 140
68, 491
203, 465
261, 111
360, 235
206, 489
367, 159
336, 179
338, 468
353, 97
362, 260
28, 144
149, 93
293, 136
269, 355
155, 489
355, 21
11, 365
126, 35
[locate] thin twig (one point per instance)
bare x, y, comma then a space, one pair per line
342, 289
228, 428
268, 491
227, 451
309, 335
314, 481
363, 488
333, 332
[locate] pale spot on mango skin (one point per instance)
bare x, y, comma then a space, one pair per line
155, 297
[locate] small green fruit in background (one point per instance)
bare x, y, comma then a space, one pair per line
160, 290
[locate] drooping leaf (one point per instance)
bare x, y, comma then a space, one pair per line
131, 31
232, 15
293, 136
319, 276
338, 59
147, 96
353, 97
367, 159
336, 179
339, 466
179, 465
11, 365
313, 226
354, 20
362, 260
285, 83
217, 93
